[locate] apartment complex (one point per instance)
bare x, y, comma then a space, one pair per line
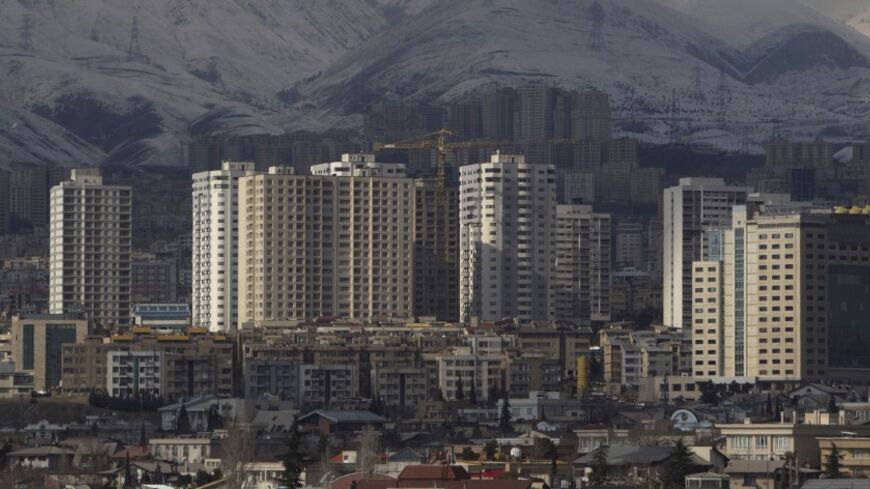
691, 207
187, 364
581, 288
507, 224
37, 344
214, 292
90, 241
315, 246
785, 302
436, 251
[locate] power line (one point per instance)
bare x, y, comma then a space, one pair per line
134, 50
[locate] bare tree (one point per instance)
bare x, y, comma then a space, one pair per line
237, 454
369, 449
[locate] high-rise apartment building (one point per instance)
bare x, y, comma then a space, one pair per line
90, 241
629, 245
536, 103
315, 245
786, 303
358, 165
29, 188
5, 217
592, 116
436, 251
500, 109
581, 288
507, 212
214, 293
691, 207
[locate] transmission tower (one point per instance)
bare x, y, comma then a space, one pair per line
674, 109
134, 50
25, 32
596, 35
722, 98
698, 89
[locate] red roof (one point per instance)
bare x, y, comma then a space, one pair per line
433, 473
346, 481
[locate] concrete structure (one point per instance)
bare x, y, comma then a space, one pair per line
38, 342
480, 371
581, 286
592, 116
214, 292
358, 165
154, 281
507, 225
131, 373
15, 384
854, 450
184, 450
5, 214
436, 251
629, 246
29, 192
785, 302
90, 246
691, 207
193, 363
344, 248
402, 388
536, 103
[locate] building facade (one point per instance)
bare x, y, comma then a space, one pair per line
325, 246
214, 289
90, 246
38, 342
507, 224
691, 207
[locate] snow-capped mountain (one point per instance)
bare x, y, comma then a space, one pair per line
721, 70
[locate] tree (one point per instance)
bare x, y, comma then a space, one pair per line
182, 423
143, 440
490, 449
833, 462
472, 396
504, 419
710, 393
130, 479
832, 405
468, 454
598, 475
769, 406
460, 390
292, 460
677, 467
237, 451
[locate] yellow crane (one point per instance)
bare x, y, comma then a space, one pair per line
437, 141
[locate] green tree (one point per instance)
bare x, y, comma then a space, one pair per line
468, 454
833, 462
490, 449
832, 405
504, 419
677, 467
598, 475
460, 390
292, 460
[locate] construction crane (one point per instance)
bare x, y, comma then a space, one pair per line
437, 141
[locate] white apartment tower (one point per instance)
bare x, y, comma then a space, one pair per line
691, 207
507, 219
214, 285
90, 240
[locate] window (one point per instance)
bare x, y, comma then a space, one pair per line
761, 442
781, 443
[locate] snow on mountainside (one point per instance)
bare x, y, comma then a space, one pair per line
254, 66
70, 61
26, 137
807, 70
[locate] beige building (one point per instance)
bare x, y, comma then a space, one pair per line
787, 303
855, 451
90, 246
38, 342
315, 246
189, 364
214, 243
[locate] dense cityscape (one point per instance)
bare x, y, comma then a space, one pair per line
521, 280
